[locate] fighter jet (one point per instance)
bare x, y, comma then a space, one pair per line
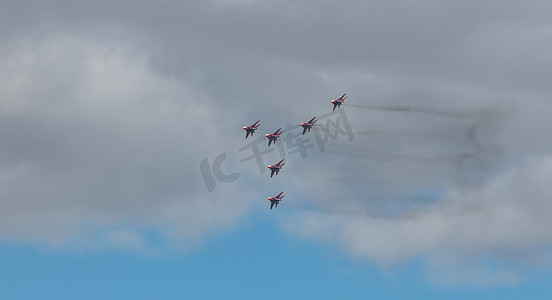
251, 129
275, 200
273, 136
308, 125
337, 102
276, 168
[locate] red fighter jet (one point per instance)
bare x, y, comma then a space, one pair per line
273, 136
337, 102
308, 125
275, 200
251, 129
276, 168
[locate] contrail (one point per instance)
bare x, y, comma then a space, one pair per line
407, 214
316, 176
318, 209
417, 109
387, 156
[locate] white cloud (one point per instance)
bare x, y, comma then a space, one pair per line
506, 219
447, 270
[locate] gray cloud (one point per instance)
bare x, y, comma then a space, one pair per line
110, 143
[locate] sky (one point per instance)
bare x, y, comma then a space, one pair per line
125, 172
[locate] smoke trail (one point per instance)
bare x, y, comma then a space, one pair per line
307, 175
409, 213
330, 178
480, 134
388, 156
417, 109
326, 210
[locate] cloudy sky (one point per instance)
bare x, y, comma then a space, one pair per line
125, 172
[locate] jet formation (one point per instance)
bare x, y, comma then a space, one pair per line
273, 137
